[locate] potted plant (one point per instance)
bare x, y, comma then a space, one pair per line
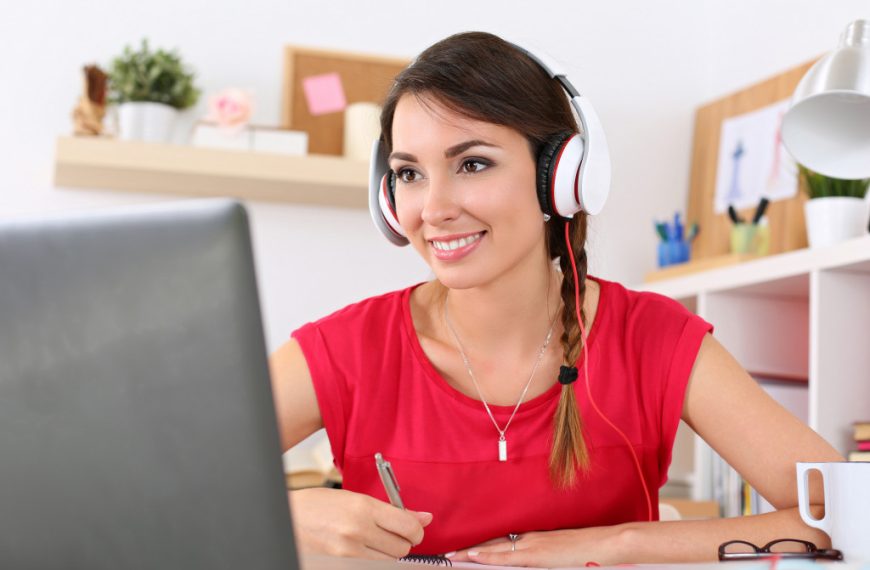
150, 87
836, 210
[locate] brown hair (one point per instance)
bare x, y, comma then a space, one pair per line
482, 77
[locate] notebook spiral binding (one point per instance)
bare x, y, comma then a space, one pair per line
437, 560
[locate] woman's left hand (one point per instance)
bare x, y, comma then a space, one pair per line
555, 548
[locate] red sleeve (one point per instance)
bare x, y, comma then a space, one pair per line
667, 337
330, 385
345, 354
685, 351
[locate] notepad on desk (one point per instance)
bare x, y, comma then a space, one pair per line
802, 565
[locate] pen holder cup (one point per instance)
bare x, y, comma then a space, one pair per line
750, 238
672, 252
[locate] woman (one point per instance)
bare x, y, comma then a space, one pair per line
491, 428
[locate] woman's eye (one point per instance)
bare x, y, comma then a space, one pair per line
474, 165
406, 175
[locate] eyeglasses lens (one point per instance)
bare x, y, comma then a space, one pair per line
739, 548
794, 546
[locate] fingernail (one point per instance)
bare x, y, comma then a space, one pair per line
473, 552
450, 554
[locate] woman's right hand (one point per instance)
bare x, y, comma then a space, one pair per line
344, 523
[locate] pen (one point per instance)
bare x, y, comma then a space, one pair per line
388, 478
732, 213
759, 212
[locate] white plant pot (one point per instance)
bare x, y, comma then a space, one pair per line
145, 121
834, 219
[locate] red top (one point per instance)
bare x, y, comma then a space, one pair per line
377, 391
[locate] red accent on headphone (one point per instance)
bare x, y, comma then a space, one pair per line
386, 196
577, 188
553, 180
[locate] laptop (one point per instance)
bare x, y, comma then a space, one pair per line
137, 428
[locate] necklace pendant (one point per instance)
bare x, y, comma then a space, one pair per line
502, 449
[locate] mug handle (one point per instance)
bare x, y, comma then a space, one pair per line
803, 470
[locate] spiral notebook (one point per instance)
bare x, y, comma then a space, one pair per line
432, 560
441, 560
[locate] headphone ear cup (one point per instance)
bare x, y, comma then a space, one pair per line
548, 159
382, 197
391, 189
387, 208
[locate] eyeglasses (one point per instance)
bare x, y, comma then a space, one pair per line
780, 548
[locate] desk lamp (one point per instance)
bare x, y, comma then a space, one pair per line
827, 128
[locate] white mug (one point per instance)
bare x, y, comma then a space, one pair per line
847, 505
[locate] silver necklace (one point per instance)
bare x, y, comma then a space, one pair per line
502, 441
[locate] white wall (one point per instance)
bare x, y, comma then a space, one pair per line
646, 66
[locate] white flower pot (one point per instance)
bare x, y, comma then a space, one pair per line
834, 219
145, 121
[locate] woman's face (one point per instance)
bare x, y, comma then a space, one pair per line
465, 194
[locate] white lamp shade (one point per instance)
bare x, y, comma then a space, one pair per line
827, 128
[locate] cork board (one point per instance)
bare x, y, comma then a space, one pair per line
363, 77
786, 217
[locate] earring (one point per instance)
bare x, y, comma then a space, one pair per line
546, 217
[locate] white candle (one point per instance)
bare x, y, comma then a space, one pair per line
361, 127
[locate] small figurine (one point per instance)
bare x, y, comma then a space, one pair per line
88, 114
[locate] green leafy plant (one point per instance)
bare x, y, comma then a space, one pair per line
156, 76
821, 186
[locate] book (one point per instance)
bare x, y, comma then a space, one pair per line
861, 431
310, 464
859, 456
863, 445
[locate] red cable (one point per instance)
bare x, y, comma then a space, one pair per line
774, 560
586, 373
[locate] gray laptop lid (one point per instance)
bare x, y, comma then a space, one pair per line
137, 428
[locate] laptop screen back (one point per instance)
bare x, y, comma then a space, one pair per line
137, 428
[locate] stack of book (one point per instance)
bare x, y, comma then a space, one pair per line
310, 464
862, 442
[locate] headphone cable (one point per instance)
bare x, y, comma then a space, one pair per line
586, 374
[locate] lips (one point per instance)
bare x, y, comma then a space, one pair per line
457, 246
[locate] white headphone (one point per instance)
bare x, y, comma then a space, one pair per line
573, 170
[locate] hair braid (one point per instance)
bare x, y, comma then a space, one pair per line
569, 453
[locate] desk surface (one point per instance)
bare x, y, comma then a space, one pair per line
320, 562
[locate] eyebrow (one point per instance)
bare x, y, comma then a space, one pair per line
449, 153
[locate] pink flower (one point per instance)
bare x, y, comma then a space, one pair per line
230, 109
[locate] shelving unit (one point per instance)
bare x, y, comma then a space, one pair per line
802, 315
102, 163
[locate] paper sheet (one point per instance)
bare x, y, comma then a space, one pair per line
324, 93
753, 163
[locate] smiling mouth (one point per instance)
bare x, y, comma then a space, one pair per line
455, 244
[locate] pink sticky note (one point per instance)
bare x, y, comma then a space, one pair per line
324, 93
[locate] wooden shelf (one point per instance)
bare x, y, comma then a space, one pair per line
796, 315
781, 274
102, 163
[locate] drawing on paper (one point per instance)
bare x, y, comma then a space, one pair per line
752, 161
